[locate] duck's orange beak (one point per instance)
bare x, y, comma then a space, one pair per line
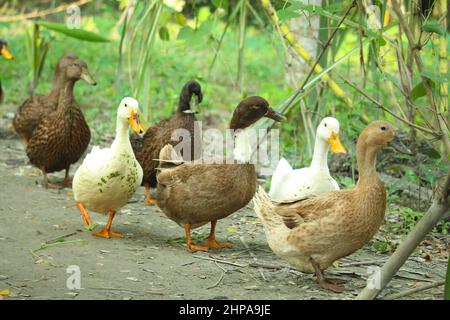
5, 52
335, 143
135, 123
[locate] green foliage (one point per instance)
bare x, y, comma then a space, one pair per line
74, 33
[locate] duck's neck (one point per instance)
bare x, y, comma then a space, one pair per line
122, 139
366, 157
320, 155
242, 151
65, 95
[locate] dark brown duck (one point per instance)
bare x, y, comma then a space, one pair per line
30, 113
194, 193
62, 136
147, 148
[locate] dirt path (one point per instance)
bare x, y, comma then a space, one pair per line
150, 262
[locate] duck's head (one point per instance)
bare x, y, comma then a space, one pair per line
377, 135
328, 130
4, 50
191, 95
251, 110
129, 112
75, 69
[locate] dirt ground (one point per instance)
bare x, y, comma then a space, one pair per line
151, 261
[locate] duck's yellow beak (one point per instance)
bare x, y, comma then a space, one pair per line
5, 52
135, 123
335, 143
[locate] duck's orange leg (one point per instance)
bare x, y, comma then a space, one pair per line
106, 232
325, 283
148, 198
190, 245
212, 243
84, 213
26, 140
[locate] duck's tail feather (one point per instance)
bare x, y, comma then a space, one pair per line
168, 157
283, 167
265, 209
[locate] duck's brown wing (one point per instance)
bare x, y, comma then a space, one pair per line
295, 213
59, 140
29, 115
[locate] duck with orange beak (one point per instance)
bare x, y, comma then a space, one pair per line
108, 177
288, 183
4, 52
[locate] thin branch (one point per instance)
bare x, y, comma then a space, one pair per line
414, 290
43, 13
381, 106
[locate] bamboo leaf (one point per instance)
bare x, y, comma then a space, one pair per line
434, 27
164, 33
220, 4
419, 90
74, 33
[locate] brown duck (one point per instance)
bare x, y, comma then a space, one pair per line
30, 113
4, 52
147, 148
62, 135
193, 193
314, 232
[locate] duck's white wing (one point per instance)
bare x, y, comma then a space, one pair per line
293, 185
97, 159
283, 169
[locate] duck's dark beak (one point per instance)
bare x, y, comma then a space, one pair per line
275, 115
5, 52
398, 145
87, 77
135, 123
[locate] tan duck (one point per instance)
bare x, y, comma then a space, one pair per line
62, 135
193, 193
146, 148
314, 232
30, 113
4, 52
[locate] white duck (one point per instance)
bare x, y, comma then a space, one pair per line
108, 177
288, 183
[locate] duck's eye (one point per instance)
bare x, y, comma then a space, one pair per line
126, 105
325, 125
383, 128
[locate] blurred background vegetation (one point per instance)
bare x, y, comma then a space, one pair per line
385, 60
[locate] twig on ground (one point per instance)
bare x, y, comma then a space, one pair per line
222, 261
414, 290
126, 290
218, 281
254, 258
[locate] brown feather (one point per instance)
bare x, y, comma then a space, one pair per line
147, 148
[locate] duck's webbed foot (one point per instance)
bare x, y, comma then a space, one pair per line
189, 244
329, 284
106, 232
212, 243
